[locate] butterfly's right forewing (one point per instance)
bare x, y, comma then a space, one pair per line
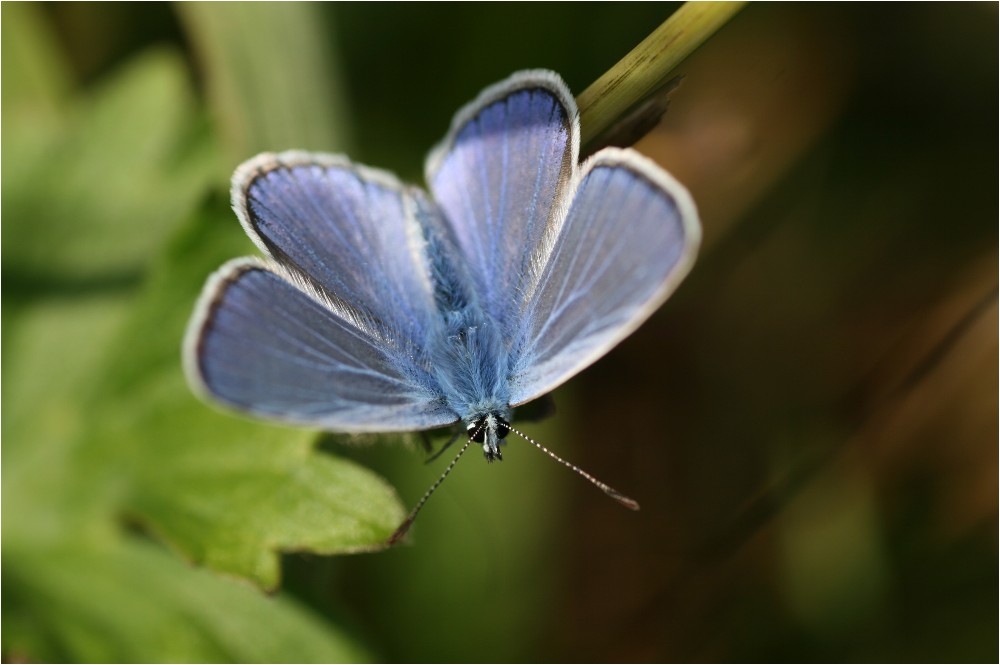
352, 229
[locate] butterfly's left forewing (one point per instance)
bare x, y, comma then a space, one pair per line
630, 236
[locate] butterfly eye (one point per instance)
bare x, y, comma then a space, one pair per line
477, 430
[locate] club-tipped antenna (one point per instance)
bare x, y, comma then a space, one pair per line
408, 522
631, 504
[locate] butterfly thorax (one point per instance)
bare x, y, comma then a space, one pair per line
472, 366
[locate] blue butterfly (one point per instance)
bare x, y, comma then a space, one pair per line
380, 308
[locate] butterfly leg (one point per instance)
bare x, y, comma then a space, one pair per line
427, 445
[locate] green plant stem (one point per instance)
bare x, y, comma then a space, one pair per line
649, 65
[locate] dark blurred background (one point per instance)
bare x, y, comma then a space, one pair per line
810, 423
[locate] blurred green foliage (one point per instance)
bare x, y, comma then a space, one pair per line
113, 222
808, 423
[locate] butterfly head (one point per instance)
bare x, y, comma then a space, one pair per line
489, 430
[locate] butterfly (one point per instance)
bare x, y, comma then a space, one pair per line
381, 307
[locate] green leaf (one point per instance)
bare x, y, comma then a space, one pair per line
235, 508
94, 194
272, 79
129, 601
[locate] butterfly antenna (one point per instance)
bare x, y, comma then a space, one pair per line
408, 522
631, 504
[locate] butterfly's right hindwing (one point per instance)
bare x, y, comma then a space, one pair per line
265, 342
